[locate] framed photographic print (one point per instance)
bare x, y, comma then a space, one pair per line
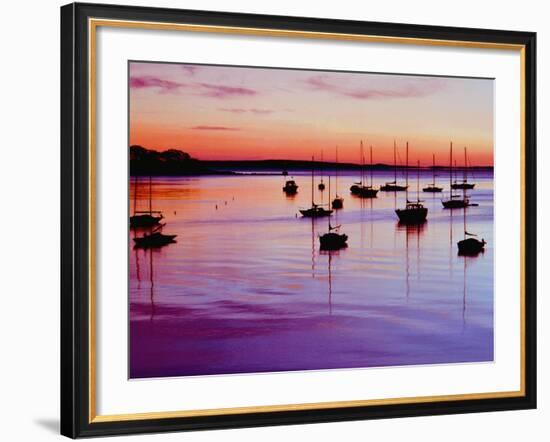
279, 220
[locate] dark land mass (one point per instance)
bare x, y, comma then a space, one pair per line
173, 162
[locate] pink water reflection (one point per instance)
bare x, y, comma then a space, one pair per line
246, 289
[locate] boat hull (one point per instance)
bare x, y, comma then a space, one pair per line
333, 241
412, 216
154, 240
290, 187
315, 213
144, 220
455, 204
393, 188
470, 246
338, 203
367, 192
432, 189
462, 186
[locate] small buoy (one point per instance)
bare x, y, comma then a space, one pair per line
216, 207
226, 203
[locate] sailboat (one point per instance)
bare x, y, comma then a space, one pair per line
154, 239
392, 186
316, 210
290, 187
338, 201
144, 218
333, 240
432, 187
464, 184
354, 189
414, 212
470, 245
454, 201
368, 191
359, 188
321, 185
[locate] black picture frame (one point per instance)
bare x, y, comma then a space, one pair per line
75, 220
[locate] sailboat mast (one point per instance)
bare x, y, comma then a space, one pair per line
465, 165
328, 217
150, 196
451, 172
370, 165
456, 168
135, 193
407, 173
336, 174
394, 163
361, 160
312, 183
418, 180
363, 170
433, 168
464, 219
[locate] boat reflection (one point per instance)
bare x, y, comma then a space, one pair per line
411, 231
147, 254
252, 275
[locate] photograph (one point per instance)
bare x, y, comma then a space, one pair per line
286, 220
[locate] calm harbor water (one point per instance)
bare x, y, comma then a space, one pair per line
246, 289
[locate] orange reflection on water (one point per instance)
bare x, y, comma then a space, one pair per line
246, 288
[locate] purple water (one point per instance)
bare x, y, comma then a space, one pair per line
246, 289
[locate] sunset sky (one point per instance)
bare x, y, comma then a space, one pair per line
220, 113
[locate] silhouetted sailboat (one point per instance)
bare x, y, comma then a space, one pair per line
470, 246
333, 240
154, 239
321, 185
454, 201
414, 212
338, 201
290, 187
316, 210
144, 218
354, 189
359, 188
368, 191
392, 186
432, 187
464, 184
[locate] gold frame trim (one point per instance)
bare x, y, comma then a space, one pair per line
93, 24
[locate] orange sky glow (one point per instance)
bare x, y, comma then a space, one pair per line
236, 113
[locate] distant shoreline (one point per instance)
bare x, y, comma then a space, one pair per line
319, 165
276, 168
173, 162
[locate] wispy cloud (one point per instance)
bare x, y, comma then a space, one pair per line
261, 111
250, 110
206, 127
210, 90
190, 69
412, 88
222, 91
149, 81
233, 110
